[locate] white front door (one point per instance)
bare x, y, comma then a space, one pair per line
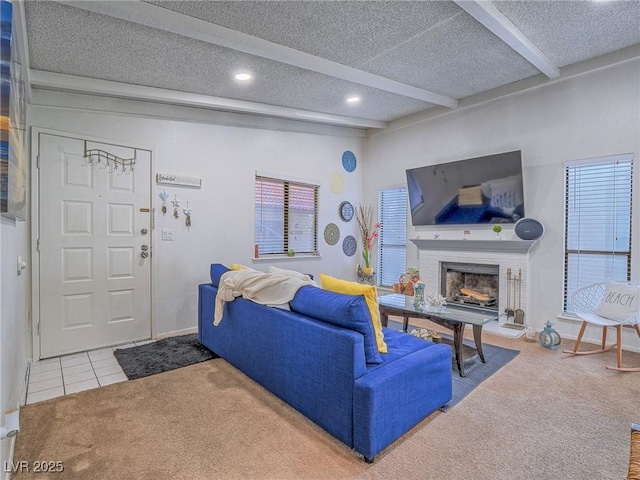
94, 234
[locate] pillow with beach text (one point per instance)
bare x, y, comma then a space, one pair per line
619, 302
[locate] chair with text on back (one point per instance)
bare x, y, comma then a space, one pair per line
607, 304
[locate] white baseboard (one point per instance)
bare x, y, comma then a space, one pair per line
176, 333
9, 461
21, 403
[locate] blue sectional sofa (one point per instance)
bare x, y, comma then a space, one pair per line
317, 364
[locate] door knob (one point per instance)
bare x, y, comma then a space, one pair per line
144, 254
144, 248
144, 231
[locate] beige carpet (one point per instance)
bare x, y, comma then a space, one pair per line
543, 416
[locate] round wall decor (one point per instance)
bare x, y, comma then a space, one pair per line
349, 161
349, 245
336, 182
345, 211
331, 234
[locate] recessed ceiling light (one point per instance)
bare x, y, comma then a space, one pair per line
243, 77
353, 99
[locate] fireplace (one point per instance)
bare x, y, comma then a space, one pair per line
508, 255
470, 284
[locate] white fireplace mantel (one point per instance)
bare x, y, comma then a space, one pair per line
511, 256
504, 246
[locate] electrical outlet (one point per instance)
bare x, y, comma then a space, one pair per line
167, 234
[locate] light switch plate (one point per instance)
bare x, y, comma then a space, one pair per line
167, 234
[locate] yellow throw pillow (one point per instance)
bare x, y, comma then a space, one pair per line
370, 295
237, 266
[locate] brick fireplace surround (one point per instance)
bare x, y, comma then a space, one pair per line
513, 254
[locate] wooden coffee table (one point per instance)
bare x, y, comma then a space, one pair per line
452, 317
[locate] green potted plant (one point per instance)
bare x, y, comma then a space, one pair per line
291, 252
497, 229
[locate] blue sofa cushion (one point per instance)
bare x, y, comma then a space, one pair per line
217, 269
400, 344
347, 311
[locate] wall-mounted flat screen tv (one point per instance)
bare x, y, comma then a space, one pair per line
472, 191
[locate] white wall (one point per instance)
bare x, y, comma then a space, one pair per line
592, 115
13, 320
226, 158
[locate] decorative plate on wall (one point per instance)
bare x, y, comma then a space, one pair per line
349, 161
331, 234
349, 245
345, 211
336, 182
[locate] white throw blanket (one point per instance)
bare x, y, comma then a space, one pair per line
259, 287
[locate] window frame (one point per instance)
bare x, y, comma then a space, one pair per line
287, 200
570, 169
381, 240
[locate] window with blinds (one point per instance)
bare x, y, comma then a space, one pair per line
392, 243
286, 217
598, 195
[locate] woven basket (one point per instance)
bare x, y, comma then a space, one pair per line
634, 457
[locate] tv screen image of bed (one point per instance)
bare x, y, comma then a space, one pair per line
473, 191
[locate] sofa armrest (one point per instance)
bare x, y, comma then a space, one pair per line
206, 300
393, 398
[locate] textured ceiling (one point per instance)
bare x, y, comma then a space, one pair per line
434, 46
572, 31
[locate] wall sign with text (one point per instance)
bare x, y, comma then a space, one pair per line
171, 179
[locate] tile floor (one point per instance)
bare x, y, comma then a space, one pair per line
55, 377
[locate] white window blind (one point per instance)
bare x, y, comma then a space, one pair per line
392, 244
286, 216
598, 195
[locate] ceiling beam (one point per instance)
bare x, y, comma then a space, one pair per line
494, 20
23, 48
167, 20
72, 83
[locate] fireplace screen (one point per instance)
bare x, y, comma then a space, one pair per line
471, 284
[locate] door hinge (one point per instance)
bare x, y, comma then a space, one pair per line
37, 161
38, 245
38, 328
